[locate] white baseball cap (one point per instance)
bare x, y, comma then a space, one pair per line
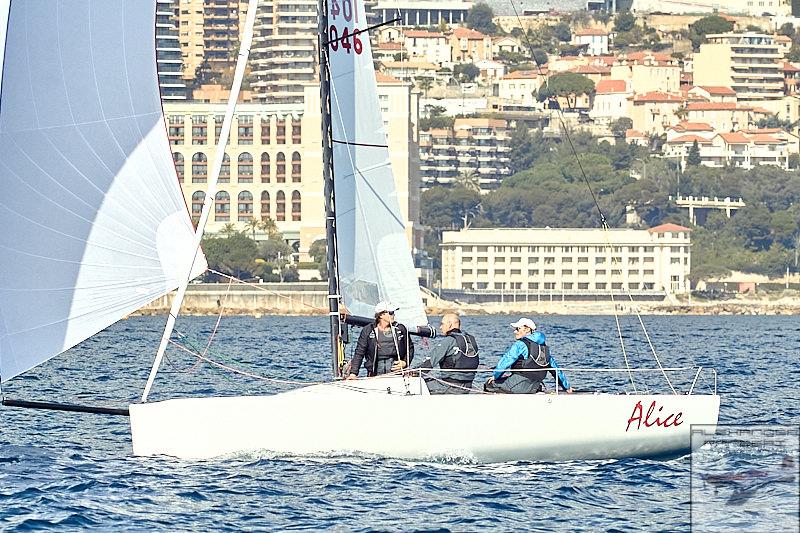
524, 322
385, 306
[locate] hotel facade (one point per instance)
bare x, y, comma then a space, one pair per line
273, 162
570, 263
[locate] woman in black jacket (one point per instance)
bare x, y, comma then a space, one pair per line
383, 346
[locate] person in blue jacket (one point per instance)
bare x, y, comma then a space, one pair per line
522, 369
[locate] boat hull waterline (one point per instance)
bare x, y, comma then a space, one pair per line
396, 417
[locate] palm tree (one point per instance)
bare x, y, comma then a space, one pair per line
268, 225
229, 229
425, 84
253, 224
469, 179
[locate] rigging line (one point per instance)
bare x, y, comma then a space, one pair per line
365, 30
603, 220
257, 287
361, 144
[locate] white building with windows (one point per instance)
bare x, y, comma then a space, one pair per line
574, 263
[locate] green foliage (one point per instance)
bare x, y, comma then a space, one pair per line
562, 32
624, 21
693, 158
436, 123
480, 18
443, 208
773, 121
705, 26
620, 126
319, 253
233, 254
466, 71
568, 85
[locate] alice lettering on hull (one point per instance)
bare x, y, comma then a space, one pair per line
653, 417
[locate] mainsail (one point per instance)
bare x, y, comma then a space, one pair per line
375, 261
94, 222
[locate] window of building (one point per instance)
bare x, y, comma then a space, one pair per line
566, 286
483, 259
482, 271
499, 259
583, 260
551, 285
516, 249
280, 131
648, 272
549, 272
222, 207
266, 170
199, 168
648, 249
296, 206
533, 285
245, 206
245, 130
566, 272
633, 286
280, 168
533, 248
218, 120
466, 259
265, 131
499, 285
633, 260
516, 259
583, 286
280, 206
648, 259
198, 197
675, 260
550, 249
483, 248
177, 158
566, 260
516, 272
616, 272
583, 272
466, 271
616, 286
296, 167
297, 130
245, 168
499, 248
600, 286
199, 130
533, 260
176, 130
599, 260
534, 272
499, 271
225, 169
549, 260
264, 205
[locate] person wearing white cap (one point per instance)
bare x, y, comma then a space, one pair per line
383, 346
526, 363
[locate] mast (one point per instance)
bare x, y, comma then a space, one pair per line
327, 173
241, 63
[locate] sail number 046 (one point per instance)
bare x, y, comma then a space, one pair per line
348, 9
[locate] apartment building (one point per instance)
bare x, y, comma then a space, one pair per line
168, 52
475, 152
209, 31
431, 47
749, 63
572, 262
648, 72
273, 162
469, 46
284, 53
743, 149
655, 112
611, 101
754, 8
516, 89
594, 39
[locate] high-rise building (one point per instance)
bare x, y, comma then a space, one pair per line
209, 31
284, 54
168, 52
749, 63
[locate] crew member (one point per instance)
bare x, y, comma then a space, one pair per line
456, 350
383, 346
525, 364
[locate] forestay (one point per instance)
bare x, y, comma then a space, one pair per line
375, 262
94, 224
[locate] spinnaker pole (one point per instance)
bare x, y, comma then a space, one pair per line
330, 205
211, 191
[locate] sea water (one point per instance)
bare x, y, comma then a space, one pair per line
75, 471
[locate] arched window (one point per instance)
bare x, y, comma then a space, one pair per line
296, 205
296, 131
280, 206
280, 131
296, 170
245, 208
265, 124
245, 168
264, 205
266, 170
198, 197
280, 168
225, 170
177, 157
222, 207
199, 168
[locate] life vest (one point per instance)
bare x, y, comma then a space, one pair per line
464, 355
538, 358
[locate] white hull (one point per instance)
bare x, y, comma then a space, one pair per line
349, 418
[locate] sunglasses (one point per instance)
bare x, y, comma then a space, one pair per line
520, 328
390, 312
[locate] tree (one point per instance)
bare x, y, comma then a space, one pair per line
276, 253
568, 85
319, 253
480, 18
267, 225
562, 32
705, 26
253, 224
443, 208
466, 71
425, 84
693, 158
539, 56
787, 29
620, 127
624, 21
234, 254
469, 179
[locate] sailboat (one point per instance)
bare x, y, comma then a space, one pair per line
96, 227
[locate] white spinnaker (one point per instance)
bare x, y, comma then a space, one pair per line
375, 261
94, 222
